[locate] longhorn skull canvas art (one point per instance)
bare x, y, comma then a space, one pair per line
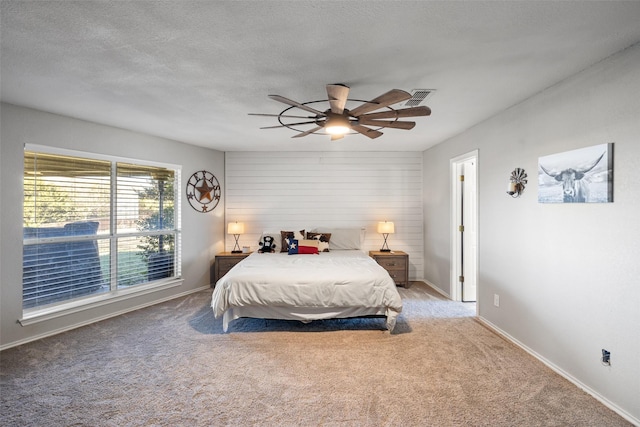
579, 176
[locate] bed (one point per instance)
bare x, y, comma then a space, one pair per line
328, 285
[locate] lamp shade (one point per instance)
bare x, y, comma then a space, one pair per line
386, 227
235, 228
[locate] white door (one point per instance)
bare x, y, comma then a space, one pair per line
464, 224
469, 234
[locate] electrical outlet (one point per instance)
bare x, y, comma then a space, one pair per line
496, 300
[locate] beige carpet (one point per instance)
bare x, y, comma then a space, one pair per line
171, 365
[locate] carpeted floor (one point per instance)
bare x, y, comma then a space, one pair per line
171, 365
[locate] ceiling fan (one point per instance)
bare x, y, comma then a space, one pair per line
338, 121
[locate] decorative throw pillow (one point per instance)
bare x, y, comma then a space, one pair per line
299, 247
322, 238
291, 235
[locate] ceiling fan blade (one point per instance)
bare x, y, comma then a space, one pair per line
337, 94
391, 97
288, 124
296, 104
405, 112
282, 115
371, 133
310, 131
387, 123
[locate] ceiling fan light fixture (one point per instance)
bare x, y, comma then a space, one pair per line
339, 121
337, 125
337, 130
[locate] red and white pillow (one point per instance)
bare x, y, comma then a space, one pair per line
287, 236
303, 246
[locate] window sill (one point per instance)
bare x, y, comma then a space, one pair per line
34, 316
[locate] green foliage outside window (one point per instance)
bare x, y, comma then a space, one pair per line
160, 193
53, 204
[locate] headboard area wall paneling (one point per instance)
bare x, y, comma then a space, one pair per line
272, 191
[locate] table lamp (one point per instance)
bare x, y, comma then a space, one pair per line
385, 228
236, 228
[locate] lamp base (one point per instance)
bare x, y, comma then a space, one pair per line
236, 248
385, 247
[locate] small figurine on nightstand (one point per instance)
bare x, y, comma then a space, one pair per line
267, 245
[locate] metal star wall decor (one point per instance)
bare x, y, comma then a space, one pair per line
203, 191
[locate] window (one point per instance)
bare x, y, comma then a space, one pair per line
96, 226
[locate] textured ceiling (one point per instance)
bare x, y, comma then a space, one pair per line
193, 70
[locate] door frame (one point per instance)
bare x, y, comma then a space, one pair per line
455, 290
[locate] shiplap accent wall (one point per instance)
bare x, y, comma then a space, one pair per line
273, 191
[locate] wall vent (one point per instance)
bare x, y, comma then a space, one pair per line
418, 96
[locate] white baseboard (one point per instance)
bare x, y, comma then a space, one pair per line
437, 289
615, 408
98, 319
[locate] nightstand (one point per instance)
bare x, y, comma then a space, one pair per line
225, 262
396, 263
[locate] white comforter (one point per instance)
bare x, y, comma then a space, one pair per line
308, 287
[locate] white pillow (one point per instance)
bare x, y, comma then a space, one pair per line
344, 238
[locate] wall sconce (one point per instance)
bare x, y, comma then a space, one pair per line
236, 228
517, 182
385, 228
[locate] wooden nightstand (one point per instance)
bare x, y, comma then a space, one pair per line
396, 263
225, 262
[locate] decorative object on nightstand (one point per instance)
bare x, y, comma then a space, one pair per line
385, 228
396, 263
225, 261
236, 228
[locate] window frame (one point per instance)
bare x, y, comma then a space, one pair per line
114, 294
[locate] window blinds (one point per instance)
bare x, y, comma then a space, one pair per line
94, 226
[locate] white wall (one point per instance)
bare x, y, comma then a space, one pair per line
568, 275
272, 191
202, 234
